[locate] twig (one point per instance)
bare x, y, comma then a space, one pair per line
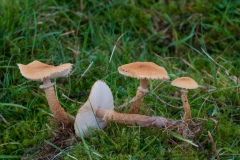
214, 145
4, 120
71, 99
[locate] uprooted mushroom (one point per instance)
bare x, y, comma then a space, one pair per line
38, 71
99, 109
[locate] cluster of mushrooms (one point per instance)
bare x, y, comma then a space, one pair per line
99, 108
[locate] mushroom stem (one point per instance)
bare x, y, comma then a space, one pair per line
186, 105
142, 90
59, 113
141, 120
144, 83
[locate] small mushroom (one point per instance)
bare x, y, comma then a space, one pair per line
99, 110
143, 71
38, 71
185, 83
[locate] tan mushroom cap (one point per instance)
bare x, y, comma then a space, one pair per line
185, 82
37, 70
143, 70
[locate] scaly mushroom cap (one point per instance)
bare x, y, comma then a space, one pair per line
100, 97
185, 82
37, 71
141, 70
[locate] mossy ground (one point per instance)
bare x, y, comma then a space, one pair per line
199, 39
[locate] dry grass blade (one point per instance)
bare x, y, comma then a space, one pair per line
226, 71
115, 47
216, 123
184, 61
178, 107
5, 144
125, 104
214, 145
71, 99
87, 69
4, 120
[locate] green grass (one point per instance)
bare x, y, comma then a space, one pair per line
199, 39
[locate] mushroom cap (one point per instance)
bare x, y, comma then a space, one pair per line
37, 71
141, 70
185, 82
100, 97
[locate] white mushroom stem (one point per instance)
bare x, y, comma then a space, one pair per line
142, 90
141, 120
59, 113
186, 105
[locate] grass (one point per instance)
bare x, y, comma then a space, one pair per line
199, 39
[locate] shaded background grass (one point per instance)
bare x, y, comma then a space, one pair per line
199, 39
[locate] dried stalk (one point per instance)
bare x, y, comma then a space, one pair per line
213, 145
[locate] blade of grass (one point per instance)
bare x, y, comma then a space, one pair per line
66, 15
85, 146
145, 146
13, 105
9, 157
181, 138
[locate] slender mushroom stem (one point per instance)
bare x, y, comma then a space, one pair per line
59, 113
141, 120
142, 90
186, 105
144, 83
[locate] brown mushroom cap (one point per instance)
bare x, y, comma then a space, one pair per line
185, 82
37, 71
143, 70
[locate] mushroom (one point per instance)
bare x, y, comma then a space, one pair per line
38, 71
100, 97
185, 83
99, 110
143, 71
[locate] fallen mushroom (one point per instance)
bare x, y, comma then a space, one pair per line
185, 83
99, 109
100, 97
38, 71
143, 71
